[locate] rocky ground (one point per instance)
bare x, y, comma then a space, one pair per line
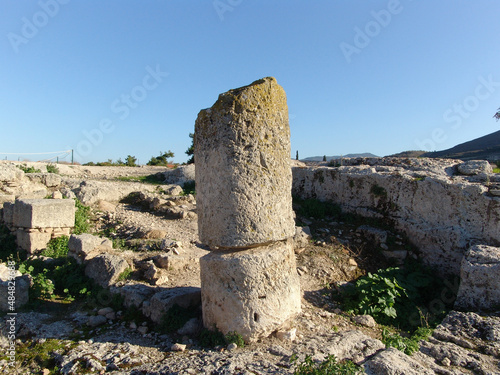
71, 337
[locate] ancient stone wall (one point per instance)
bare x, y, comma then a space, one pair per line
442, 211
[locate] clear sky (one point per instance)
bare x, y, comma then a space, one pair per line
118, 77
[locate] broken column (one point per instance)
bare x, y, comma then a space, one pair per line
249, 282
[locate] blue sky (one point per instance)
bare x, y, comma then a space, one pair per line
119, 77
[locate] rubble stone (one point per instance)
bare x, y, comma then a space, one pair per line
479, 279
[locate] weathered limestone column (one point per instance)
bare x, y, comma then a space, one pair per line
249, 282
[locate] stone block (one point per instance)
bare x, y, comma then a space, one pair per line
161, 302
8, 213
44, 213
4, 198
243, 173
253, 292
22, 286
392, 361
135, 295
479, 279
48, 179
83, 247
19, 282
32, 241
105, 269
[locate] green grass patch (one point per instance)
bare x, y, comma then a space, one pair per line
330, 366
57, 247
82, 218
125, 275
407, 345
189, 188
27, 169
52, 168
34, 356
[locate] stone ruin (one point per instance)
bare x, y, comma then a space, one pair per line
36, 221
249, 282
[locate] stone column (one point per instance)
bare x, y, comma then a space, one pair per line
249, 282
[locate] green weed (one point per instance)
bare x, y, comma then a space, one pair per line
329, 366
407, 345
27, 169
52, 168
82, 218
176, 317
57, 247
378, 191
236, 338
125, 275
396, 296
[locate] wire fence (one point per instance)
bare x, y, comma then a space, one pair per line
52, 156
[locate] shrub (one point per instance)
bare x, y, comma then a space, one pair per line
407, 345
396, 296
211, 338
57, 247
236, 338
51, 168
189, 188
176, 317
27, 169
161, 160
82, 218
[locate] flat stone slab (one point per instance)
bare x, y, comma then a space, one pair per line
44, 213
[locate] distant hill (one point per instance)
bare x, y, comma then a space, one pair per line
407, 154
483, 148
328, 158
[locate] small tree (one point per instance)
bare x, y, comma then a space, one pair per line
324, 157
497, 115
190, 150
161, 159
297, 155
130, 161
